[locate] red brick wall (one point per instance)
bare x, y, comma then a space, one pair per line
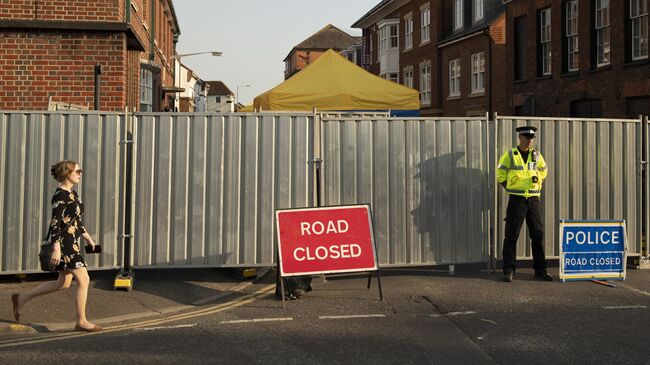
86, 10
34, 66
553, 94
300, 59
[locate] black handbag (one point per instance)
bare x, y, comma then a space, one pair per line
45, 254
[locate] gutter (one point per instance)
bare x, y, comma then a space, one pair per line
486, 33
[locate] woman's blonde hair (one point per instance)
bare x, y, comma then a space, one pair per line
62, 169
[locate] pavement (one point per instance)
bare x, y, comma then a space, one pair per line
156, 292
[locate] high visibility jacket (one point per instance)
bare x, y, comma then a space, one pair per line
519, 175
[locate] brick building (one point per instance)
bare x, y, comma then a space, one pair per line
580, 58
311, 48
49, 49
452, 51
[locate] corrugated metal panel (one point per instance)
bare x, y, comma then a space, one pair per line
594, 173
425, 179
207, 185
30, 142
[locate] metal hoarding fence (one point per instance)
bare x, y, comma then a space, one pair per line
207, 185
30, 142
425, 179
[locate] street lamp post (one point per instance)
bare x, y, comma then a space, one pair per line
178, 76
237, 95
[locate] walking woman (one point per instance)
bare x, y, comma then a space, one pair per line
66, 228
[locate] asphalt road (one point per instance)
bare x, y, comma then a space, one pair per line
427, 316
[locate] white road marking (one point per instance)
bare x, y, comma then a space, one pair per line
625, 307
257, 320
451, 314
634, 289
354, 316
165, 327
489, 321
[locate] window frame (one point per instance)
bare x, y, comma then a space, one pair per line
408, 32
425, 83
425, 24
454, 77
476, 15
478, 72
458, 14
146, 89
571, 35
545, 50
602, 31
408, 76
637, 17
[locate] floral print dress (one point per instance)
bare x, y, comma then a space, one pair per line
66, 228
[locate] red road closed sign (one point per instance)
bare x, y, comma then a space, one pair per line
325, 240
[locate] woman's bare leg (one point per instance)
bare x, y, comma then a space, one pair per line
81, 296
63, 282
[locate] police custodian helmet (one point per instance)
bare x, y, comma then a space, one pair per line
528, 131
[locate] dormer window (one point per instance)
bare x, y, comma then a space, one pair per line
477, 10
458, 14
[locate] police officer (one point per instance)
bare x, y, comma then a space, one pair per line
521, 171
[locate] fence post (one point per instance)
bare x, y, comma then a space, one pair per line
645, 183
317, 158
495, 202
124, 279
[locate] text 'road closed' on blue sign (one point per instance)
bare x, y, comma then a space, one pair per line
592, 250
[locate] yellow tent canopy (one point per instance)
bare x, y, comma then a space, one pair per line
334, 83
246, 109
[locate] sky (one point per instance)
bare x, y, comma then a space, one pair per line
255, 36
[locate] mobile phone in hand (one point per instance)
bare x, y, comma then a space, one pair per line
97, 249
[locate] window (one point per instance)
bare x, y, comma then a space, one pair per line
425, 83
371, 48
588, 108
217, 99
408, 33
425, 21
602, 32
571, 35
392, 76
394, 40
477, 10
478, 73
458, 14
639, 27
408, 76
146, 90
521, 45
388, 37
454, 77
544, 58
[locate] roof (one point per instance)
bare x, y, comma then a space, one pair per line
372, 11
330, 37
174, 17
476, 28
342, 85
218, 88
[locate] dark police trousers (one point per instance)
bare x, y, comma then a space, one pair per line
518, 209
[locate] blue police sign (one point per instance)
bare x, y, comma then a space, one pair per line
592, 250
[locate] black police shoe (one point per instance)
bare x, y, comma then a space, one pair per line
508, 277
544, 276
298, 293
